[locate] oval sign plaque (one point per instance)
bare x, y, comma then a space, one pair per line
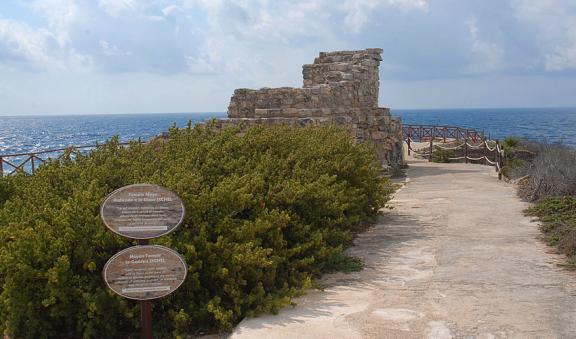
142, 211
145, 272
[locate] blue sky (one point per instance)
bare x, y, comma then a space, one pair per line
132, 56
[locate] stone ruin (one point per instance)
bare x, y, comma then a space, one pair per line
340, 88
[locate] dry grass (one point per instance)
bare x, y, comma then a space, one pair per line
551, 173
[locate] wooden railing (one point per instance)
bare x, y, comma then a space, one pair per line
28, 162
427, 132
467, 145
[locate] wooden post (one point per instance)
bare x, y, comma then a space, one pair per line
466, 149
431, 149
497, 157
485, 160
1, 167
145, 311
502, 163
444, 133
499, 160
32, 161
408, 142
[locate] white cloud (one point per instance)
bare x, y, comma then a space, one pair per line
487, 56
561, 59
410, 4
40, 48
59, 13
109, 49
254, 43
554, 26
358, 12
171, 9
115, 7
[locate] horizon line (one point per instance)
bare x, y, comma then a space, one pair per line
224, 112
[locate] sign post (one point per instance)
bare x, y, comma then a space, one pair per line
144, 272
146, 312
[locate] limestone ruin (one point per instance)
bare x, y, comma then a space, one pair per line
339, 88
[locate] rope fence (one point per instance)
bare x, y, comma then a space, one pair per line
473, 146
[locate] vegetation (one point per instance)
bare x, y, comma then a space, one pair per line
442, 155
512, 163
551, 173
547, 170
267, 211
547, 177
558, 217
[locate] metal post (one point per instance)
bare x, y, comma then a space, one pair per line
145, 311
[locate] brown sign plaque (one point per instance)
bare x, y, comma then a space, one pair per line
145, 272
142, 211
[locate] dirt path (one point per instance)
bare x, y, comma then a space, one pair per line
455, 258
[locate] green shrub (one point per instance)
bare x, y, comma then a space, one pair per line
343, 263
558, 218
511, 166
510, 143
266, 212
442, 155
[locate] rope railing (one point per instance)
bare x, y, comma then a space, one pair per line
474, 145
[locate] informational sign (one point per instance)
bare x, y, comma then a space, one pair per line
142, 211
145, 272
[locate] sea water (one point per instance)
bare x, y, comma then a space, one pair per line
19, 134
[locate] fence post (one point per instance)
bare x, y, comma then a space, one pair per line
497, 156
408, 142
502, 163
466, 149
485, 151
32, 161
499, 159
431, 149
1, 167
445, 132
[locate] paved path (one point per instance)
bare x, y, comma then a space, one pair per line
455, 258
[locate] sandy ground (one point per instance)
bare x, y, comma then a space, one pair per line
454, 258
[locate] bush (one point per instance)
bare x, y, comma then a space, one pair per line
558, 217
266, 213
442, 155
511, 143
551, 173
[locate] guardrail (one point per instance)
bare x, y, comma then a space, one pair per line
27, 162
426, 132
472, 146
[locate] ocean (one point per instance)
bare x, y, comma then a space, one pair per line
554, 125
20, 134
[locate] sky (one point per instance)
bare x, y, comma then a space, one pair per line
143, 56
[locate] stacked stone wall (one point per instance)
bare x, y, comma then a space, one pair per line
339, 88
